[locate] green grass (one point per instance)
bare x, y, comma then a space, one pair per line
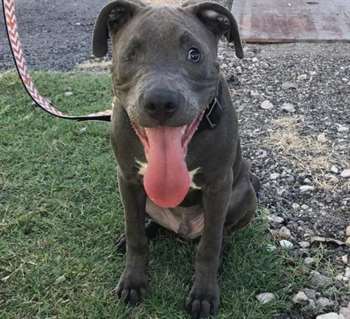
60, 215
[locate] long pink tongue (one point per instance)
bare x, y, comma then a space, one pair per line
166, 179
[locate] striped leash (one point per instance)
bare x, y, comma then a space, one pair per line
23, 72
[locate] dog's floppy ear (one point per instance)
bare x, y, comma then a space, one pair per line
218, 19
112, 17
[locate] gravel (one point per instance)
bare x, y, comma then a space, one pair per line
308, 76
301, 157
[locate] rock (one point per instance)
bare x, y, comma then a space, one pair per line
265, 297
345, 259
286, 244
60, 279
345, 312
284, 233
239, 70
275, 219
345, 173
274, 176
300, 298
289, 85
307, 180
254, 93
266, 105
319, 281
309, 261
310, 308
68, 93
270, 247
342, 128
290, 179
339, 277
330, 315
323, 302
347, 272
311, 293
322, 138
319, 239
347, 231
306, 188
334, 169
288, 107
347, 242
304, 244
302, 77
295, 206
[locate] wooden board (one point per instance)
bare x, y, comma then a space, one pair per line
273, 21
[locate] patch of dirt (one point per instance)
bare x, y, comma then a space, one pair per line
312, 154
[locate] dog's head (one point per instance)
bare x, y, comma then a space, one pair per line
165, 70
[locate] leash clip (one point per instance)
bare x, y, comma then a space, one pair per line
212, 107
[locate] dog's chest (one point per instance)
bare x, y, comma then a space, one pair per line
188, 222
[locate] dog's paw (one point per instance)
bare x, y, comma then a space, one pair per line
132, 287
203, 300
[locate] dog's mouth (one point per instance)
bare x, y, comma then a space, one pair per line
166, 178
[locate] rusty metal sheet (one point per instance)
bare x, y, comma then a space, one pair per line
273, 21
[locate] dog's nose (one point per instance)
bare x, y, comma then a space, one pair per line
161, 104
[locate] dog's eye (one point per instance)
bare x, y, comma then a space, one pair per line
194, 55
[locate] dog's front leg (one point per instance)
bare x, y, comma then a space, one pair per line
204, 296
133, 282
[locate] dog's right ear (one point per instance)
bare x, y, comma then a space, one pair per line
111, 18
217, 19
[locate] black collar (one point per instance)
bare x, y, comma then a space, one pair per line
211, 116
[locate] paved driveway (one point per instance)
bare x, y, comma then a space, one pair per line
55, 34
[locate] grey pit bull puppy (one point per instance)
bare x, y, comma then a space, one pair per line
175, 136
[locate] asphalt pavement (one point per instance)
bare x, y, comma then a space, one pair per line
56, 35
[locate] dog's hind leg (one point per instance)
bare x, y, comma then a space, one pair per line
151, 229
243, 200
256, 183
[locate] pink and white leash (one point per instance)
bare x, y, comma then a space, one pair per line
23, 72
